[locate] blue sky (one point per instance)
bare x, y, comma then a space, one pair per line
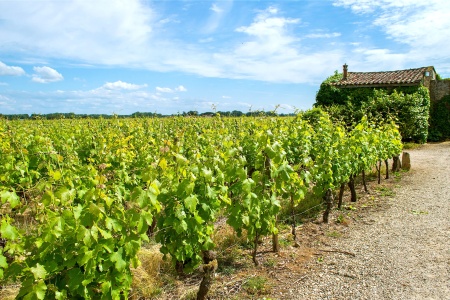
124, 56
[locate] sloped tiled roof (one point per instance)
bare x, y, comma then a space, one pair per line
400, 77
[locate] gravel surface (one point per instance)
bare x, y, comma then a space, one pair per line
399, 252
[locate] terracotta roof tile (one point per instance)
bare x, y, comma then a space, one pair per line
411, 76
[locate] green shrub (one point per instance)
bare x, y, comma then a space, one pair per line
440, 120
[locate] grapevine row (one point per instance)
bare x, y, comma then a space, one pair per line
78, 197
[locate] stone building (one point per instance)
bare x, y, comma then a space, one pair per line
425, 76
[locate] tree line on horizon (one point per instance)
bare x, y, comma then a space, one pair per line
71, 115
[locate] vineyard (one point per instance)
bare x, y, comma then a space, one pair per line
80, 197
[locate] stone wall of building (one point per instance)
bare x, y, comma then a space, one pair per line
439, 89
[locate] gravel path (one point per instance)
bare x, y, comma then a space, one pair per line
401, 252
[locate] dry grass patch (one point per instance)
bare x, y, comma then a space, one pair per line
9, 293
148, 277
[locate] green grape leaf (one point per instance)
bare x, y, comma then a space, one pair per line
10, 197
140, 197
39, 271
61, 295
3, 263
47, 198
75, 277
191, 203
77, 211
39, 290
116, 257
8, 232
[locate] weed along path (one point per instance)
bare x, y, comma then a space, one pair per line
400, 250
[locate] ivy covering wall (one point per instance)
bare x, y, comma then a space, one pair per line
409, 107
440, 120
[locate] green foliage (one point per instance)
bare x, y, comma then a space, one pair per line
408, 106
93, 187
411, 112
90, 220
440, 120
329, 94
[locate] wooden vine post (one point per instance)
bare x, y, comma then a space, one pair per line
329, 203
386, 163
341, 195
378, 166
351, 185
364, 181
294, 233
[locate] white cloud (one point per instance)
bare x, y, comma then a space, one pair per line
370, 6
164, 89
100, 32
10, 70
323, 35
46, 75
120, 85
269, 33
215, 8
271, 52
269, 48
98, 100
219, 10
130, 34
358, 6
422, 26
180, 88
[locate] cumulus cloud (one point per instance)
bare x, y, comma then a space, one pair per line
46, 75
131, 34
270, 51
100, 32
269, 33
423, 26
10, 70
120, 85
